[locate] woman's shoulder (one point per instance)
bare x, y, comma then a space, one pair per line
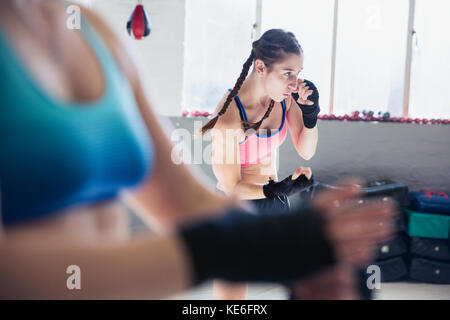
231, 118
229, 125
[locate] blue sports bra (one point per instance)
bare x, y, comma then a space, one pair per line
56, 154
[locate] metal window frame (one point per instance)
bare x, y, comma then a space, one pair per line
333, 55
409, 53
258, 21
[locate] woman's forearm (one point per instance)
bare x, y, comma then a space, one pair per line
148, 267
307, 142
247, 191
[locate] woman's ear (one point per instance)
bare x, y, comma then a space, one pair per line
260, 67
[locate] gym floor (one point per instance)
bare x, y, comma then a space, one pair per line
388, 291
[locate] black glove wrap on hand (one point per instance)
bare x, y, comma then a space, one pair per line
240, 246
310, 113
287, 186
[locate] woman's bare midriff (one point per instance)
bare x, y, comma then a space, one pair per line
259, 173
101, 223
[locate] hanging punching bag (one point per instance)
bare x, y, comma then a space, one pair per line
139, 25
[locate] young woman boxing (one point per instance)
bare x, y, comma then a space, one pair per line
251, 123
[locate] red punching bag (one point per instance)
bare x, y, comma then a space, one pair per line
139, 25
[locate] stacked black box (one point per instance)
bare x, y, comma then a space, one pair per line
421, 248
429, 228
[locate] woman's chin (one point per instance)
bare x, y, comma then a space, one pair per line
279, 98
284, 97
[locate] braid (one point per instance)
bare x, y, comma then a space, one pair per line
255, 126
271, 48
211, 123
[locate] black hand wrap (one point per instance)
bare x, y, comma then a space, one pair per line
287, 186
310, 113
240, 246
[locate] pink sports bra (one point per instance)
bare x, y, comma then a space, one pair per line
256, 148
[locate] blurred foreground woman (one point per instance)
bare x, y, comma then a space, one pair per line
77, 132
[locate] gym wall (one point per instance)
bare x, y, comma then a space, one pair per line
413, 154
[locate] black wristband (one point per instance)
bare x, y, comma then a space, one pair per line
287, 186
303, 182
283, 187
310, 113
241, 246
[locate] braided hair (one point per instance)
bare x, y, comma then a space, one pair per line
272, 47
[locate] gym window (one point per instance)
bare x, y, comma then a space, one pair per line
378, 55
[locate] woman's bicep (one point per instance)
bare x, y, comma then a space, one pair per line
226, 157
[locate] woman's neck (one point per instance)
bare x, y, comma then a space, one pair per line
252, 92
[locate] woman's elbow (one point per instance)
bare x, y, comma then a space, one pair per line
229, 187
307, 155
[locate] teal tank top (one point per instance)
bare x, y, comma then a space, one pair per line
57, 154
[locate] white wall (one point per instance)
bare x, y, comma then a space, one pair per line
161, 52
414, 154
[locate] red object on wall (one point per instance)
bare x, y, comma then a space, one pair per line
139, 25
